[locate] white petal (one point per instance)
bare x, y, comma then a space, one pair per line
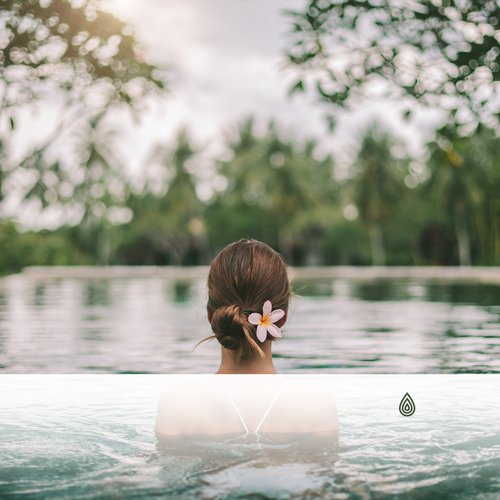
276, 315
274, 330
268, 307
254, 318
261, 333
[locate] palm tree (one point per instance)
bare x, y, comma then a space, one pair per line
483, 151
167, 213
377, 187
304, 195
96, 187
181, 207
288, 190
459, 184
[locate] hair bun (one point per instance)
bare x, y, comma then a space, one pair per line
228, 325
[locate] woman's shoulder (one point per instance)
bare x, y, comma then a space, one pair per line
190, 406
306, 405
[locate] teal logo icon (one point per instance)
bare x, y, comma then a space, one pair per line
407, 406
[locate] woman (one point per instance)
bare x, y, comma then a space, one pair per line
248, 297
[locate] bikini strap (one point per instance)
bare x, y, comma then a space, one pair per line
269, 408
234, 406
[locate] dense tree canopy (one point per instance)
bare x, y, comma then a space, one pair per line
73, 47
377, 187
464, 181
278, 190
444, 53
60, 48
167, 225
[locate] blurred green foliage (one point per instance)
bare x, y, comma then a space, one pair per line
43, 248
91, 61
287, 194
72, 45
168, 226
444, 54
378, 188
284, 194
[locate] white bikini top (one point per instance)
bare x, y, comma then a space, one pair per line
246, 436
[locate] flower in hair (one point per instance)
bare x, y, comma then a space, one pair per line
264, 321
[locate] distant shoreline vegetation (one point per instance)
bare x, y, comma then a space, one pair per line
388, 212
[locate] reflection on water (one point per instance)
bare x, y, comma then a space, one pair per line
150, 325
181, 291
88, 437
97, 293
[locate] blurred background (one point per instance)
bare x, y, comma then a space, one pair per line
154, 132
341, 133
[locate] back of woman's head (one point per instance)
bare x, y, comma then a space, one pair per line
243, 276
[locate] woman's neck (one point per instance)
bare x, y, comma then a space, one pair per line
229, 364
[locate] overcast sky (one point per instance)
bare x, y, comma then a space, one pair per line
226, 61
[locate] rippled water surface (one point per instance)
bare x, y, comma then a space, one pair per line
150, 325
83, 436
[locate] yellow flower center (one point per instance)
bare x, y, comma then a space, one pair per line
265, 320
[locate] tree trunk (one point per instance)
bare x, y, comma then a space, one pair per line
103, 248
2, 160
285, 247
463, 238
377, 245
495, 236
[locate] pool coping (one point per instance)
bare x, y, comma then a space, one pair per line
490, 275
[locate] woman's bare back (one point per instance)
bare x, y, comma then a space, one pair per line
268, 407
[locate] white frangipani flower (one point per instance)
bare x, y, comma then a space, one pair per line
264, 321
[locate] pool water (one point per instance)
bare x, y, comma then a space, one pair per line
91, 436
151, 324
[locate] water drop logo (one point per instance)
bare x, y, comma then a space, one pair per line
407, 406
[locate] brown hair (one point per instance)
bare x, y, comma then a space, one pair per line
242, 277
